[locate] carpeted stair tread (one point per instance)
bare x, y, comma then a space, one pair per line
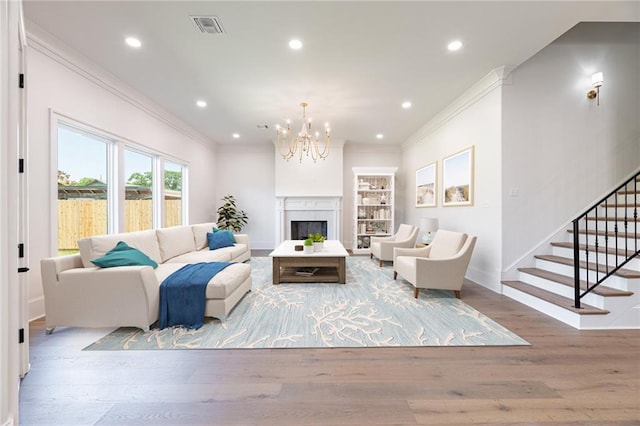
592, 248
625, 273
608, 234
568, 281
555, 299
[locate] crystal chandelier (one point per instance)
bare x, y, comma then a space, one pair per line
304, 142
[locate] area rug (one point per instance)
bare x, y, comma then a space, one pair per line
370, 310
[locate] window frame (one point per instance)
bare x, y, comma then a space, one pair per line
116, 179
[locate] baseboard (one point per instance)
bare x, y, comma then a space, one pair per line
484, 278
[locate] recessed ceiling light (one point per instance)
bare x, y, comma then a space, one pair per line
295, 44
236, 135
201, 103
379, 136
454, 45
133, 42
406, 105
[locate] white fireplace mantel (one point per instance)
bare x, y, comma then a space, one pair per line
308, 208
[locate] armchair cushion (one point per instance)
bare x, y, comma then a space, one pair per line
446, 244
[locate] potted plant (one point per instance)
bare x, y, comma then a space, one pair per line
308, 246
318, 241
229, 217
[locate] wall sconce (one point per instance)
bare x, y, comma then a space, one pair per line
596, 81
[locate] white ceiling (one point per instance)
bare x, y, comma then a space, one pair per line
359, 62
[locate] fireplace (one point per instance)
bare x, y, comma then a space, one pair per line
327, 210
300, 229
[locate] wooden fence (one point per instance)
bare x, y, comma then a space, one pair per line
84, 218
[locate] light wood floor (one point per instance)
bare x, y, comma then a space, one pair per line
566, 376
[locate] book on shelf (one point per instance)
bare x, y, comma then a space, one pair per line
307, 272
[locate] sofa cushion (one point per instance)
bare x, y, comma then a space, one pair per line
227, 281
446, 244
206, 255
98, 246
123, 255
200, 234
219, 240
175, 241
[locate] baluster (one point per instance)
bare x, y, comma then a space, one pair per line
576, 264
626, 223
635, 211
597, 253
586, 250
606, 233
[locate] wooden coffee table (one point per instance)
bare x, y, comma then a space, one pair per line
330, 261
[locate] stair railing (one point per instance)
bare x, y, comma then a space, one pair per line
628, 191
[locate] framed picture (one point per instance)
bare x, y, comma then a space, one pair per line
457, 179
426, 186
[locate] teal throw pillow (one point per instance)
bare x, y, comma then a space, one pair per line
123, 255
233, 239
219, 240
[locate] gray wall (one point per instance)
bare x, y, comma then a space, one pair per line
561, 151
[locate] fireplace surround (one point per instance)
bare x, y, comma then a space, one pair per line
311, 209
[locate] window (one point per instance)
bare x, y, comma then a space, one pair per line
172, 194
106, 185
138, 194
83, 187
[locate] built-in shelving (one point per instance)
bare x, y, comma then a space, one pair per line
373, 211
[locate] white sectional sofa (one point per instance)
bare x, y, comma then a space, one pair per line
79, 294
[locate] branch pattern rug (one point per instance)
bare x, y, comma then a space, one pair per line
371, 310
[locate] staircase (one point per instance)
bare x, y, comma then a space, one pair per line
603, 249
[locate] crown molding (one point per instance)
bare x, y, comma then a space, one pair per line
497, 77
43, 42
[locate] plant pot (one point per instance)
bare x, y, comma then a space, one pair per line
308, 249
318, 246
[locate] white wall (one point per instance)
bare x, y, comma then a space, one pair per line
295, 178
472, 120
369, 155
561, 151
248, 173
63, 83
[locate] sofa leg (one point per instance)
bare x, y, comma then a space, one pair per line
381, 263
457, 293
49, 330
395, 275
370, 255
415, 292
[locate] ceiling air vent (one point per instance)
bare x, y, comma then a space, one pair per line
208, 24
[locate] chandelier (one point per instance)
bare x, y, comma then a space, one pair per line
304, 142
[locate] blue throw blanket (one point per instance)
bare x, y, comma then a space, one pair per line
183, 294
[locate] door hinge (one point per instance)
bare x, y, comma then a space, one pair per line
21, 165
21, 335
21, 81
21, 250
23, 269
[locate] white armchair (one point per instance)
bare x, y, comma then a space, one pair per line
382, 247
441, 265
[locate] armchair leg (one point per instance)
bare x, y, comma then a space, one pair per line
457, 293
370, 255
415, 292
381, 263
395, 275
